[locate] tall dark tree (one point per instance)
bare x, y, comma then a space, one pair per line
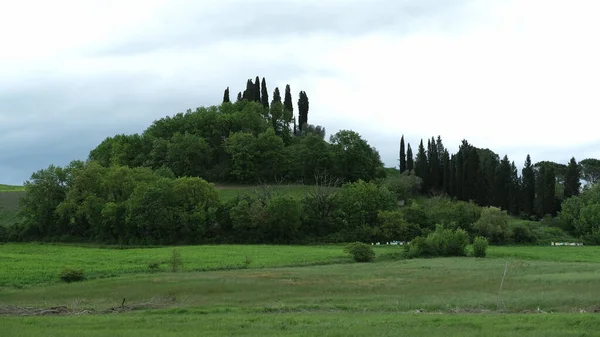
488, 164
433, 165
276, 95
226, 96
528, 187
572, 176
410, 164
545, 192
239, 96
422, 167
446, 172
402, 155
468, 172
515, 190
440, 152
503, 184
249, 92
452, 177
302, 110
264, 94
256, 90
287, 101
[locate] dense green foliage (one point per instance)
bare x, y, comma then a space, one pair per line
441, 242
480, 246
360, 252
72, 275
581, 214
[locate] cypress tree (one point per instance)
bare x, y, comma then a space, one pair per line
528, 187
503, 184
276, 111
572, 183
302, 110
440, 152
287, 101
256, 90
433, 165
515, 191
226, 96
402, 155
264, 94
468, 172
545, 192
276, 95
239, 96
422, 167
446, 172
452, 177
249, 92
410, 166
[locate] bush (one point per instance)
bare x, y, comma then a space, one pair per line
72, 275
522, 234
480, 245
493, 224
441, 242
361, 201
404, 186
393, 226
360, 252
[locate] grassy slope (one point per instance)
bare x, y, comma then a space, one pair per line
11, 188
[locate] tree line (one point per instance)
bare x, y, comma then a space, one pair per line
482, 176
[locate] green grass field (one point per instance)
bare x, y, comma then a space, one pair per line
11, 188
301, 291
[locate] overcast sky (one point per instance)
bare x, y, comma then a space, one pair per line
517, 77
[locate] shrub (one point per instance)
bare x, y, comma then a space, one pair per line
360, 252
72, 275
393, 226
282, 225
404, 186
493, 224
522, 234
361, 201
441, 242
480, 245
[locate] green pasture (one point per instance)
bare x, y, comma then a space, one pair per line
301, 291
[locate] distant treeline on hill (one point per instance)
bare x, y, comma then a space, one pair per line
152, 187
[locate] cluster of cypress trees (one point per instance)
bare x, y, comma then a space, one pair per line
481, 176
257, 92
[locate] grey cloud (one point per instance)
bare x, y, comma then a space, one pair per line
276, 22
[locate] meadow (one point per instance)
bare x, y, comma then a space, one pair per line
301, 290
